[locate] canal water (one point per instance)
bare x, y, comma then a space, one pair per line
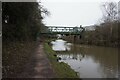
88, 61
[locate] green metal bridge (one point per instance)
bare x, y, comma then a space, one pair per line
63, 30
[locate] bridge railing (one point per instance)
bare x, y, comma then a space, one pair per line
67, 30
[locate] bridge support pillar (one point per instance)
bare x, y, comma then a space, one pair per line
75, 37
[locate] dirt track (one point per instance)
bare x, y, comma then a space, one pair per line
38, 66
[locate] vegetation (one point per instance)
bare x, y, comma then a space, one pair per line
105, 34
21, 23
61, 69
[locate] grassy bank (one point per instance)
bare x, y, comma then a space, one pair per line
15, 56
62, 70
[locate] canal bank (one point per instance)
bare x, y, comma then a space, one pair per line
61, 69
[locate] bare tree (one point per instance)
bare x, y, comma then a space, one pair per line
119, 11
110, 11
44, 11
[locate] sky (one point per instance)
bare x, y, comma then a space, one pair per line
73, 12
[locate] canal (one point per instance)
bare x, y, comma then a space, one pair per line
88, 61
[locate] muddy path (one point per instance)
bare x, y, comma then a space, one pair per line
38, 66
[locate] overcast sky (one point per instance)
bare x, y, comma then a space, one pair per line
73, 12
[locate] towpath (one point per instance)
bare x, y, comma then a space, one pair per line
38, 66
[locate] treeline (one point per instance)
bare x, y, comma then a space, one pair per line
107, 33
21, 20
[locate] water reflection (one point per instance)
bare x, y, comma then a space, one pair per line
89, 61
60, 45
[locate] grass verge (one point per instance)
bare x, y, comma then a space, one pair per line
62, 70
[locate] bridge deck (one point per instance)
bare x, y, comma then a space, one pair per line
63, 30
